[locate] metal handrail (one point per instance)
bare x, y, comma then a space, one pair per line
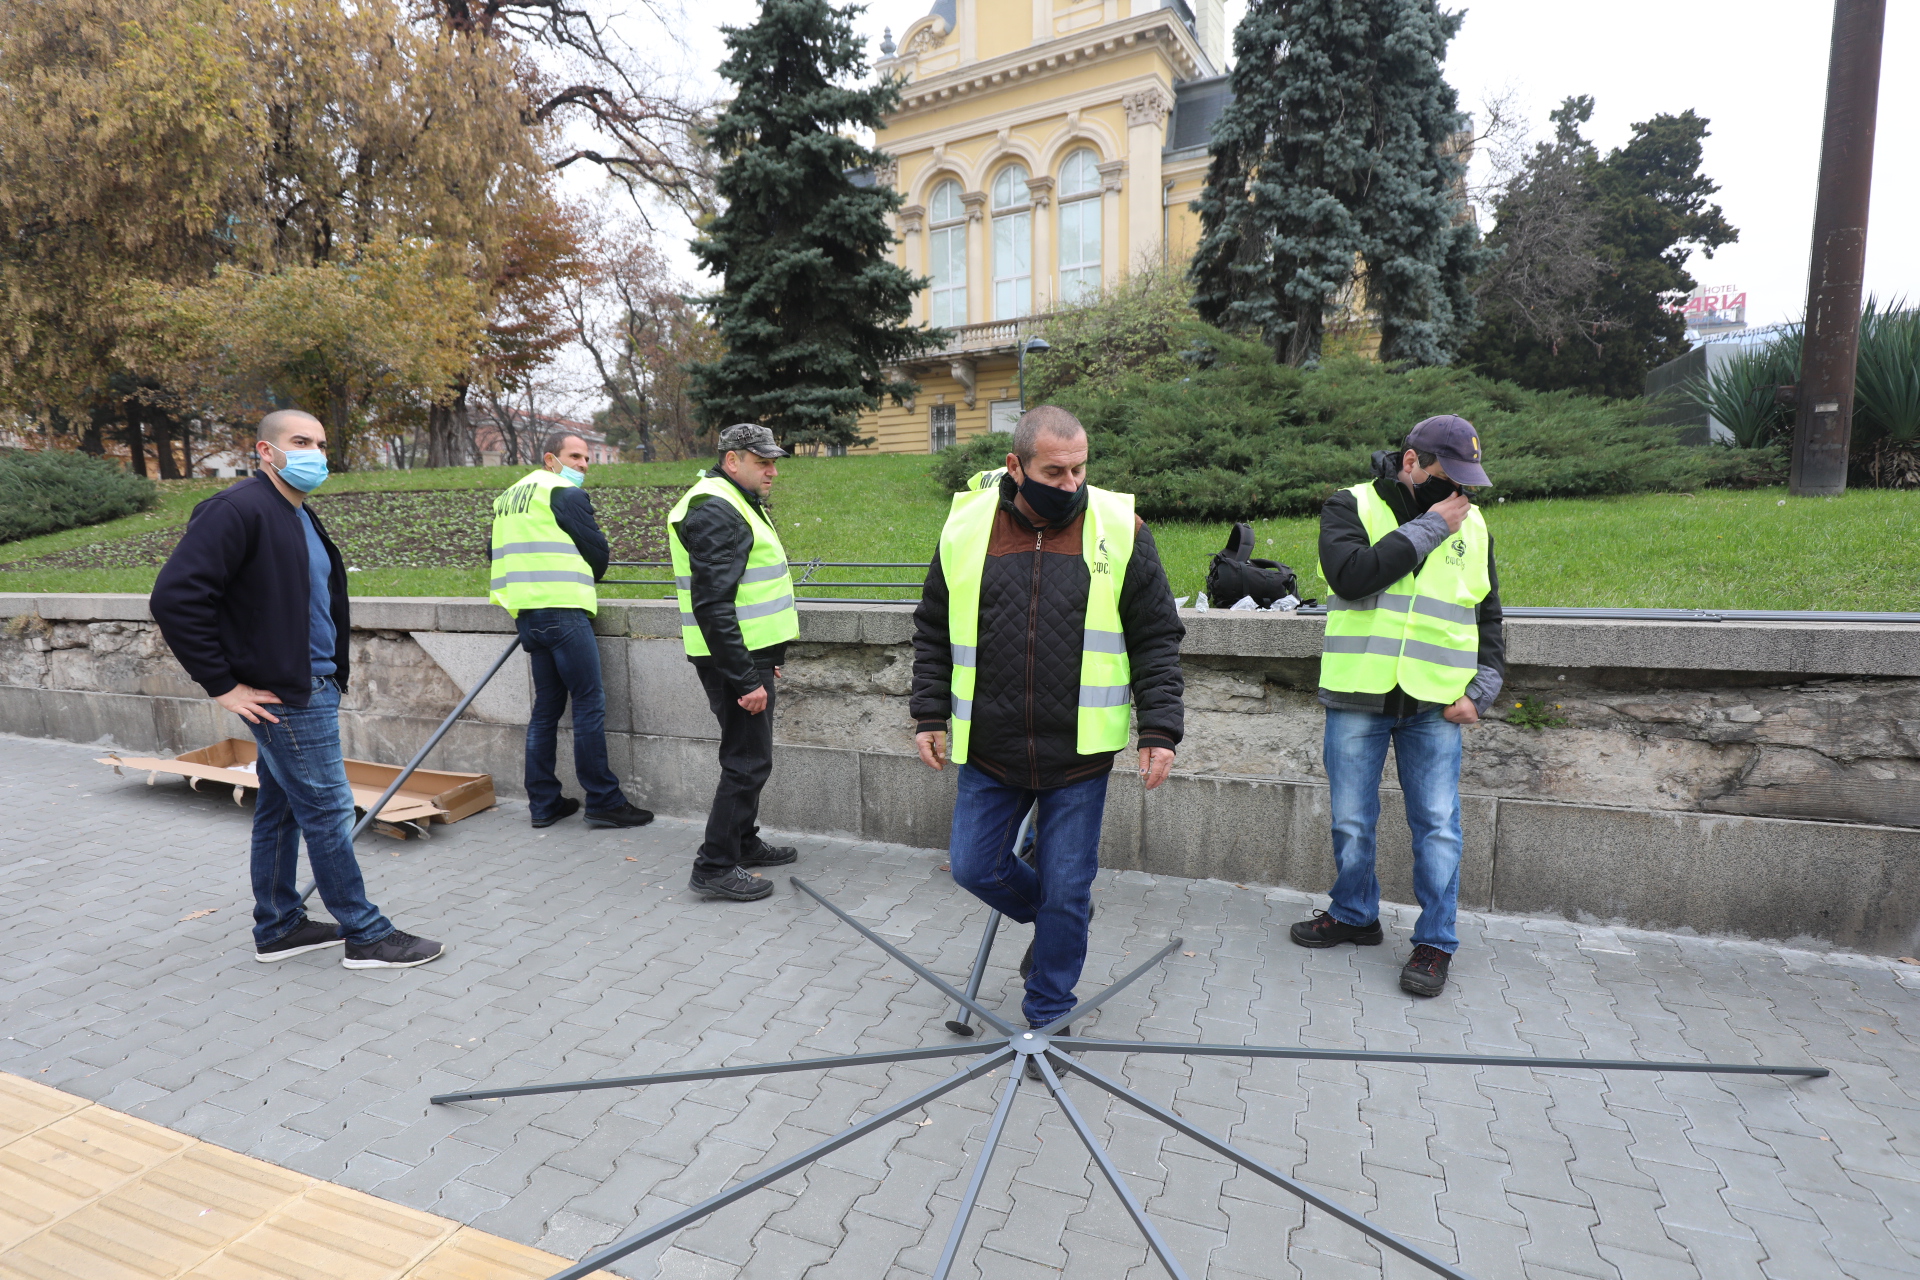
805, 579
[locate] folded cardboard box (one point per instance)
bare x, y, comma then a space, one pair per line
430, 795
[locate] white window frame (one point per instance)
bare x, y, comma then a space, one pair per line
1012, 244
1080, 202
947, 257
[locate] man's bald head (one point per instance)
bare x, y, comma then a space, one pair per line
1046, 420
275, 426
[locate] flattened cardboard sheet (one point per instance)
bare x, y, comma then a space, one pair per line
430, 795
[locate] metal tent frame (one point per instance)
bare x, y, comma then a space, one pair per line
1016, 1048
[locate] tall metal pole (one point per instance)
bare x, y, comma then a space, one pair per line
1823, 421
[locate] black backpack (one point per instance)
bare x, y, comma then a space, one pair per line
1236, 574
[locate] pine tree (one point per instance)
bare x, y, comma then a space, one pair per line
811, 310
1335, 166
1647, 202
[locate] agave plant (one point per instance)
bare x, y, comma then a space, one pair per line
1740, 394
1886, 385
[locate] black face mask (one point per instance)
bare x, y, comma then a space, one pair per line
1055, 506
1433, 490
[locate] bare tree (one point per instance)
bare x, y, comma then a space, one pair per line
1546, 227
640, 121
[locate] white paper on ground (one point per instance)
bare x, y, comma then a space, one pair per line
1244, 602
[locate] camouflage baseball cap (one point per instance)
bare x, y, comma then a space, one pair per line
750, 436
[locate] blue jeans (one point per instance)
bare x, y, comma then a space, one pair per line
1426, 749
304, 791
1057, 899
566, 664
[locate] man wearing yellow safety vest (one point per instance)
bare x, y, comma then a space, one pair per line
1414, 649
548, 552
736, 616
1045, 617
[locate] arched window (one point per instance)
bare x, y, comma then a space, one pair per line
947, 257
1079, 226
1012, 244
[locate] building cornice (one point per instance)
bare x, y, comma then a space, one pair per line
1009, 118
1159, 28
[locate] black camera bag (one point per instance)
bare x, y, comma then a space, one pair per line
1235, 574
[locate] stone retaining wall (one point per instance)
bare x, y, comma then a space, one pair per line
1746, 778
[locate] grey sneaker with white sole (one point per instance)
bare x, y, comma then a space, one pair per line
398, 950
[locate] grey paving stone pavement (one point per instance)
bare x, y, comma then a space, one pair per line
127, 976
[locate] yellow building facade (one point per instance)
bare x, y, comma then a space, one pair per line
1043, 149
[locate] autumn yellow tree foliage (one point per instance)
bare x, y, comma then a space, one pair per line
173, 172
345, 338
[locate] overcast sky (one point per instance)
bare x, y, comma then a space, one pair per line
1756, 70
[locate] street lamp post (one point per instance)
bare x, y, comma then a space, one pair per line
1039, 347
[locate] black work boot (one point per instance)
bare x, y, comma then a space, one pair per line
1324, 931
732, 883
627, 815
755, 852
1033, 1065
1425, 973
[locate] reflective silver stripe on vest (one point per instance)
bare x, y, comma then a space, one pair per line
965, 655
1386, 645
1105, 695
685, 584
963, 708
542, 575
1442, 657
1103, 641
1444, 611
535, 549
688, 620
765, 573
1388, 600
765, 609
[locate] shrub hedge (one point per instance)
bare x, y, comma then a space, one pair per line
51, 490
1239, 435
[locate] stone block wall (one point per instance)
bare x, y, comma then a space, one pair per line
1730, 778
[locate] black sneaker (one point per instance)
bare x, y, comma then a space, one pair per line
1324, 931
395, 951
1425, 973
735, 884
568, 807
626, 815
308, 935
1033, 1067
1026, 963
755, 852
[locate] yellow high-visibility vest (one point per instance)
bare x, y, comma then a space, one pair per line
1106, 676
763, 602
535, 564
1422, 633
986, 479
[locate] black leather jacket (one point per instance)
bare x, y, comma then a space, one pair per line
1033, 609
718, 541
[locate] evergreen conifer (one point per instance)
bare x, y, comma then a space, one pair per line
1647, 202
811, 310
1336, 166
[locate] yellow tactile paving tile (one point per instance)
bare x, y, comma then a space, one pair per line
160, 1224
87, 1193
66, 1165
26, 1106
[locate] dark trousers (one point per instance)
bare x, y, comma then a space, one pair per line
746, 760
566, 666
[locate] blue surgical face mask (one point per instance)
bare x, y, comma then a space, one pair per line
573, 477
304, 469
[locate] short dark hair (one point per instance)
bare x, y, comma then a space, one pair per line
274, 427
1052, 420
1426, 459
556, 439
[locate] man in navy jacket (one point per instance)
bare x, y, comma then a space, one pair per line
253, 603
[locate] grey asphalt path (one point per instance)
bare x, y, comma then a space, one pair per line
126, 976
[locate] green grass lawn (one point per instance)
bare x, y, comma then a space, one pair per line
1752, 549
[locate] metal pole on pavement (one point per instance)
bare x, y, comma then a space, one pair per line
400, 779
1823, 414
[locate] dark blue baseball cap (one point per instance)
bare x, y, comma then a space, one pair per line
1454, 441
